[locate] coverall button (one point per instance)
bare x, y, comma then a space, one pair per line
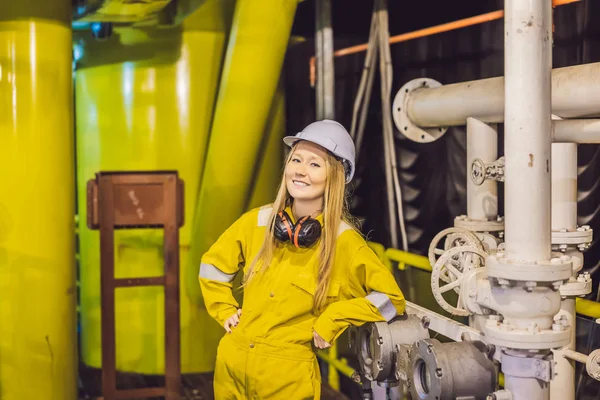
251, 345
272, 294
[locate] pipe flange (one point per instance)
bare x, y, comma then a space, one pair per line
577, 287
592, 365
400, 113
580, 237
502, 334
556, 270
376, 351
474, 225
379, 342
438, 370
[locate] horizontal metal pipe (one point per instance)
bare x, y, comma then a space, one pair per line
575, 356
576, 131
575, 94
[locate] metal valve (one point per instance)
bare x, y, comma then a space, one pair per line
481, 171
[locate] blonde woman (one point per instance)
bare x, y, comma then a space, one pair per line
308, 275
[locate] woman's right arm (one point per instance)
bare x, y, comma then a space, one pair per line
218, 268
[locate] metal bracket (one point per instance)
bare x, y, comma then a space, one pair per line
528, 367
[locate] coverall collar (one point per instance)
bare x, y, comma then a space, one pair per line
288, 210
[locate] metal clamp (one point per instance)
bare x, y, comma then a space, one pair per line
480, 171
528, 367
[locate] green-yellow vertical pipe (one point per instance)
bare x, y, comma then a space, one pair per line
147, 105
270, 165
257, 45
38, 342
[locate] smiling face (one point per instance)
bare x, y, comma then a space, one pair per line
306, 172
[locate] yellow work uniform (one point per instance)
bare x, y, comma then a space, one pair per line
269, 355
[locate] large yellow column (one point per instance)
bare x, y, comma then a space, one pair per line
145, 101
256, 49
38, 342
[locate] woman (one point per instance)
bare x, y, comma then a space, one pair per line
308, 275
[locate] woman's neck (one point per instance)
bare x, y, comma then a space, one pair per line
301, 208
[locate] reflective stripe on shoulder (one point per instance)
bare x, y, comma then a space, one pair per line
209, 271
343, 228
383, 304
263, 216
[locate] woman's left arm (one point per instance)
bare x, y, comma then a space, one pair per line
375, 297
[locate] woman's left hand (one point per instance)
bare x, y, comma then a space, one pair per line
320, 343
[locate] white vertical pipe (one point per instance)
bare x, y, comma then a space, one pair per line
564, 186
526, 388
527, 140
482, 143
564, 216
320, 91
527, 67
562, 387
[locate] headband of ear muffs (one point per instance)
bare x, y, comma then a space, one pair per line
304, 233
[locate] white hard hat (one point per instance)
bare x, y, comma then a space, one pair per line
332, 136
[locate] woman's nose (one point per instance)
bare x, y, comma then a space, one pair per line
300, 169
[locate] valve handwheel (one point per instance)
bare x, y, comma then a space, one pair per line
452, 237
472, 257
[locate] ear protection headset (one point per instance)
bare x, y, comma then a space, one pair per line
304, 233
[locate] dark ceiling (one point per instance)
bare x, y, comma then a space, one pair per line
352, 18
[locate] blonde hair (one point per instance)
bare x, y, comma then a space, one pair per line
335, 210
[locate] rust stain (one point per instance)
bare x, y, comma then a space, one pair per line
530, 160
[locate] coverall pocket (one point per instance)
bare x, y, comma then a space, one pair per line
287, 379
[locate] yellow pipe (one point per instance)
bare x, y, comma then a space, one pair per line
412, 259
588, 308
340, 364
333, 375
270, 162
38, 342
147, 105
260, 31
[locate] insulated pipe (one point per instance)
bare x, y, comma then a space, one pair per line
576, 131
564, 186
38, 335
328, 69
527, 122
562, 387
564, 216
527, 142
482, 143
575, 93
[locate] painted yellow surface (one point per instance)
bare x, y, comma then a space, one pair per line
38, 342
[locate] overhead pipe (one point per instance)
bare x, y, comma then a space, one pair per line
576, 131
420, 33
575, 94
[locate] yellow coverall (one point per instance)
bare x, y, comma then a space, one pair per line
269, 355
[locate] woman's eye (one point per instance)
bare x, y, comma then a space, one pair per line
315, 165
295, 160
